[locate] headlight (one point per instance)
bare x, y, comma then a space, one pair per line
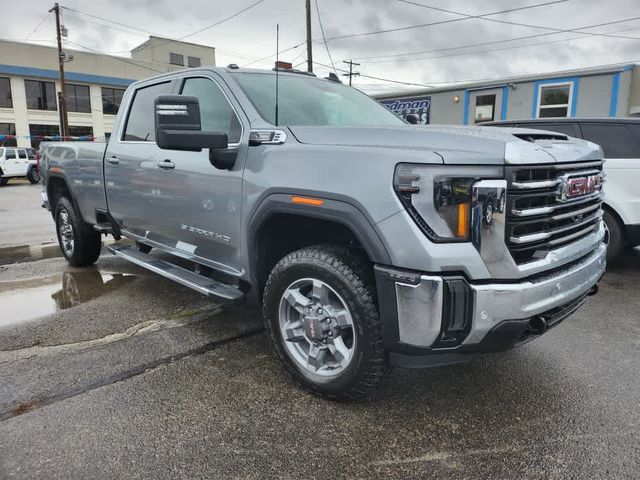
439, 198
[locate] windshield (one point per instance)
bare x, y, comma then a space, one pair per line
308, 101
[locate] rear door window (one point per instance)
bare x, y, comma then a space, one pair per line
22, 154
140, 125
616, 139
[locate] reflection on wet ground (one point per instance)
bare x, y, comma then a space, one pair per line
26, 300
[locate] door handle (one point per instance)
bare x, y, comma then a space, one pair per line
166, 164
113, 160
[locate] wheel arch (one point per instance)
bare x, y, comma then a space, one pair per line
334, 221
57, 186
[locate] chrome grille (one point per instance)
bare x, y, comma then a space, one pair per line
538, 220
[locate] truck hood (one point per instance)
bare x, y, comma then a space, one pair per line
459, 144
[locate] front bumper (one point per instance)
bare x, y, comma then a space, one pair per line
431, 320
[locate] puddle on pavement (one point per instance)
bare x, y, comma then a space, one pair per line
26, 300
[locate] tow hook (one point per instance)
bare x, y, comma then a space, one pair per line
537, 325
593, 290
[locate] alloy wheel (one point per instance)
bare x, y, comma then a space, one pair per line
317, 327
65, 228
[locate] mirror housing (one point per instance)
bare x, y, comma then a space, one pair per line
177, 124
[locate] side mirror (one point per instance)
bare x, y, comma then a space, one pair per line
177, 122
412, 118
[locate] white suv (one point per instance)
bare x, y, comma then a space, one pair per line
620, 141
16, 162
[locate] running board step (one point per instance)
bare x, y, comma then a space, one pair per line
103, 228
190, 279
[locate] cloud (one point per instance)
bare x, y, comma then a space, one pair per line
252, 34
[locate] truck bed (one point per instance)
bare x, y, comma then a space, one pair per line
82, 167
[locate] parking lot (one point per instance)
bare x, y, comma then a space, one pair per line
115, 372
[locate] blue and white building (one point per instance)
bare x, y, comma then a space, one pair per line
608, 91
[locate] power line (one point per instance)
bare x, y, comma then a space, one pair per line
239, 12
144, 47
324, 39
508, 22
496, 42
526, 7
377, 78
38, 26
131, 27
442, 22
124, 60
110, 27
141, 31
475, 52
273, 54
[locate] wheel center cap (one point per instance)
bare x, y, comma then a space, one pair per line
313, 328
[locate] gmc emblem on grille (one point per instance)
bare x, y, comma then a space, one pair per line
578, 186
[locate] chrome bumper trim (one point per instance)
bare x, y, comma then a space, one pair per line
420, 311
495, 303
420, 306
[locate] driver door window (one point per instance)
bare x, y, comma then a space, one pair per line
216, 114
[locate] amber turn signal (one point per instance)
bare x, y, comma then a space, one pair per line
316, 202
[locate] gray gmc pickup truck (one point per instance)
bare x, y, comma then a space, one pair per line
368, 242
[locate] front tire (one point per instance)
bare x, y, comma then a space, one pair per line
321, 313
615, 235
79, 242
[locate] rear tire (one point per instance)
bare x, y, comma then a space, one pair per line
335, 287
3, 181
33, 175
79, 242
615, 234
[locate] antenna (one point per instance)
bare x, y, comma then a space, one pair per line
277, 67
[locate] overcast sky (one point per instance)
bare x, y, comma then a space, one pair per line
251, 35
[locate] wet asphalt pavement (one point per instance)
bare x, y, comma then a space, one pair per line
128, 375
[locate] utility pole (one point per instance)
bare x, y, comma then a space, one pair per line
351, 72
309, 50
62, 97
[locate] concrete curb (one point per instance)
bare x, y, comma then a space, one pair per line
35, 252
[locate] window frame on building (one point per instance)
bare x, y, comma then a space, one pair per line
194, 64
9, 103
72, 98
35, 142
8, 128
173, 59
80, 131
493, 108
112, 98
568, 105
54, 100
